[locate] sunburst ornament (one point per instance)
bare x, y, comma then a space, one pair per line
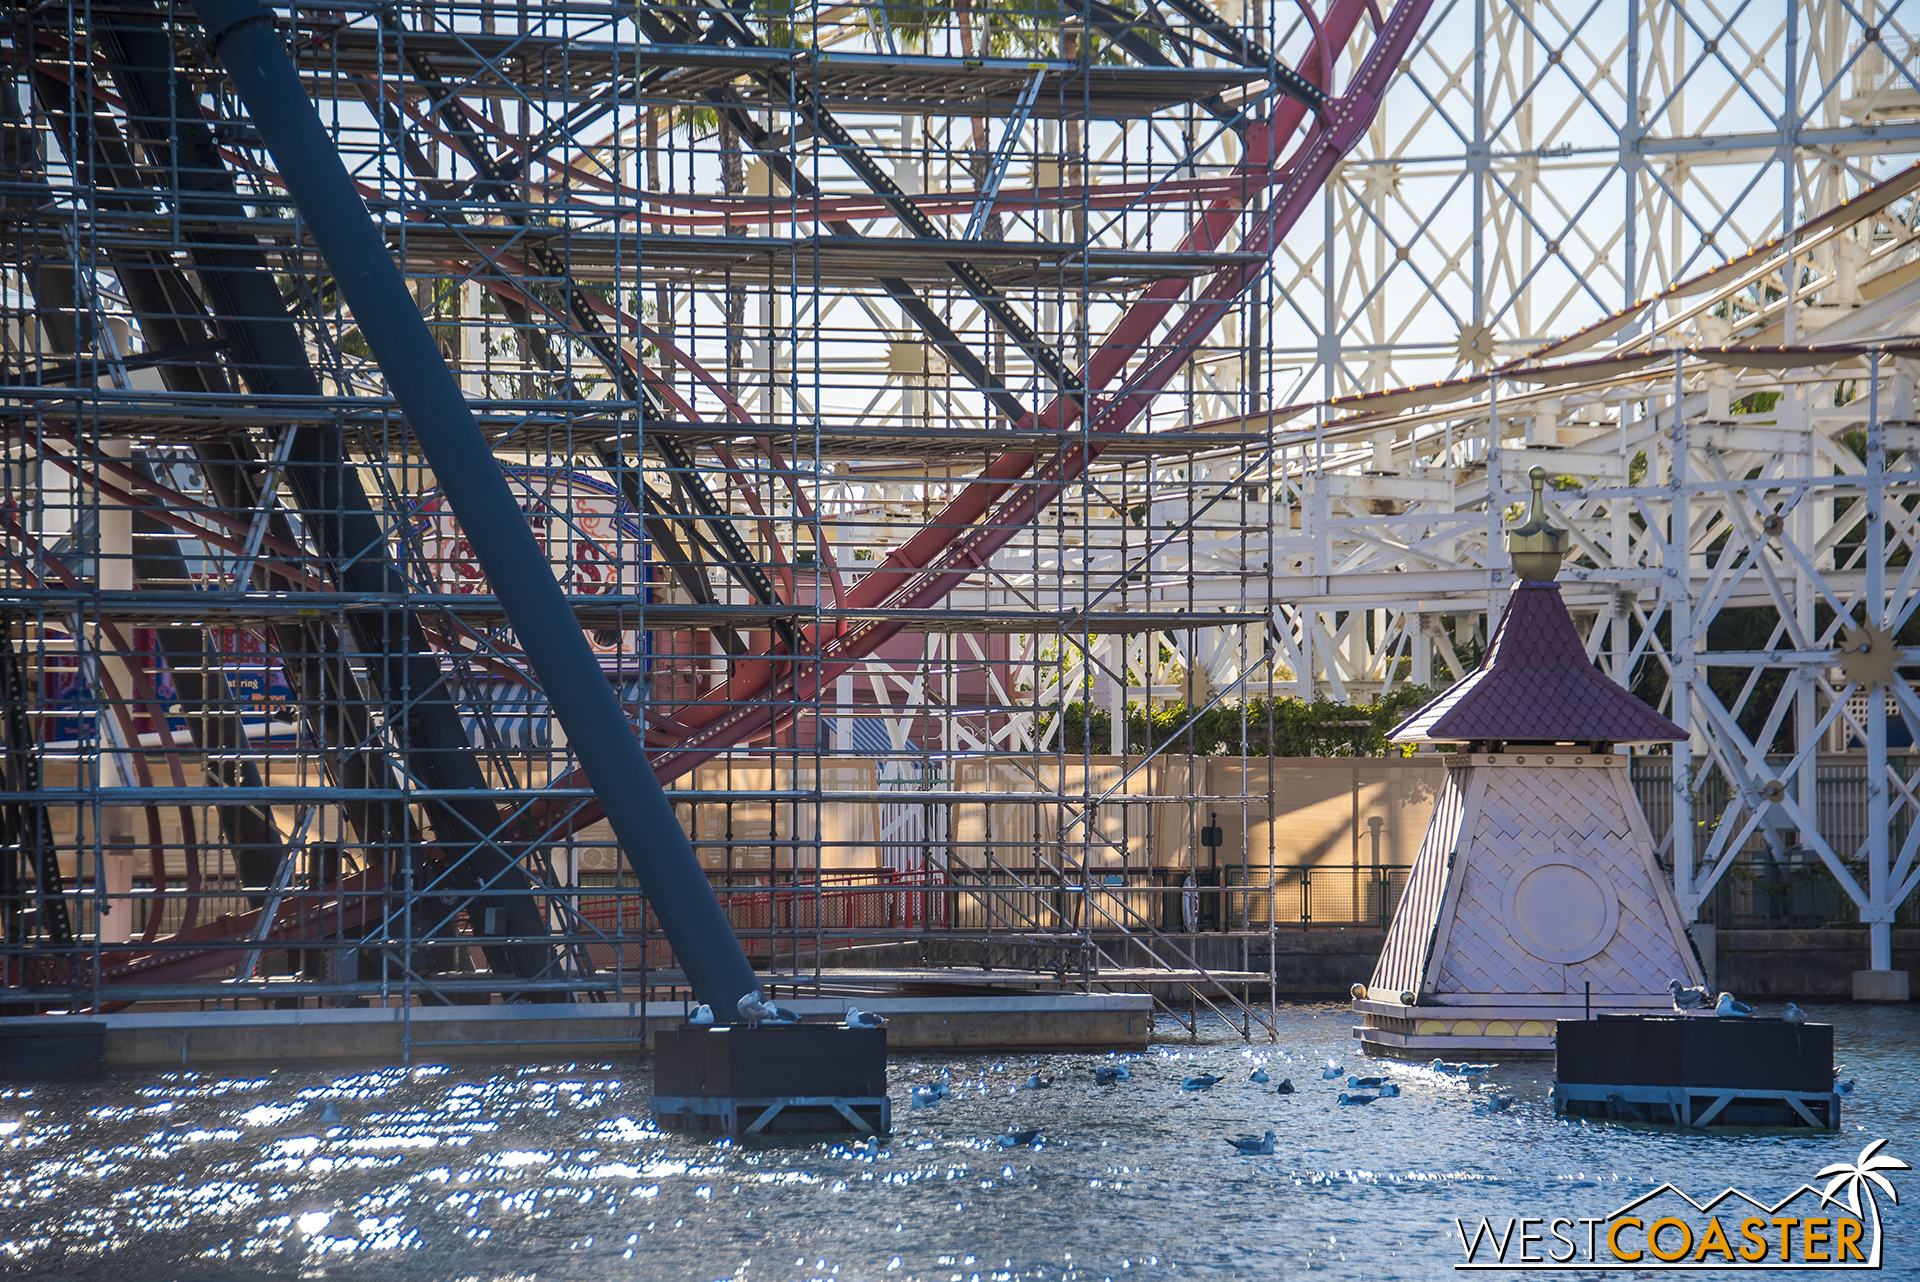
1475, 344
1867, 654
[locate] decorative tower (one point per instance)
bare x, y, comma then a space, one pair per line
1536, 889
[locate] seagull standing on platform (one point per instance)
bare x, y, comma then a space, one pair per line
1688, 1001
1795, 1015
756, 1009
702, 1015
857, 1018
1728, 1008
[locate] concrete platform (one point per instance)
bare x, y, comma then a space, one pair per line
857, 978
595, 1031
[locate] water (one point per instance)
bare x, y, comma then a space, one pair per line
552, 1171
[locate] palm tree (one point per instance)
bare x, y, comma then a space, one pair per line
1864, 1173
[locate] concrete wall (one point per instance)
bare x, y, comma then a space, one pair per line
1778, 964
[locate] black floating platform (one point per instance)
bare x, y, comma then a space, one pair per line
1696, 1072
792, 1079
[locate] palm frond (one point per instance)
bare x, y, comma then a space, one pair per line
1851, 1179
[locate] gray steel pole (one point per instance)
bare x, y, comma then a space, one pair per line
242, 36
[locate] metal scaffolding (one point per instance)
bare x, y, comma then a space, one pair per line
907, 400
861, 372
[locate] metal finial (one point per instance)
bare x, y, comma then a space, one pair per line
1538, 546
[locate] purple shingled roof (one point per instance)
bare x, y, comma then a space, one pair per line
1537, 684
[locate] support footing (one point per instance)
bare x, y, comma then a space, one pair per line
1881, 986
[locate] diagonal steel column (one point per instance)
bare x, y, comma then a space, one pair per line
242, 36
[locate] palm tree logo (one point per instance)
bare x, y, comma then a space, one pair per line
1864, 1174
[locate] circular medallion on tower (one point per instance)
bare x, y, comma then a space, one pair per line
1561, 908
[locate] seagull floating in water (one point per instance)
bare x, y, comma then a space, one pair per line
857, 1018
702, 1015
1459, 1070
1198, 1082
1688, 1000
1038, 1083
1795, 1015
1285, 1087
1262, 1147
1843, 1088
928, 1096
1019, 1139
1389, 1091
1108, 1074
330, 1112
1357, 1099
1371, 1083
1259, 1075
1331, 1071
1499, 1103
756, 1009
1728, 1008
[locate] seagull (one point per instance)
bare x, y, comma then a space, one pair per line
1795, 1015
1262, 1147
1038, 1083
1498, 1103
857, 1018
1019, 1139
1259, 1075
1843, 1088
1331, 1071
756, 1009
1198, 1082
330, 1112
1728, 1008
1108, 1074
1688, 1000
925, 1097
1285, 1087
702, 1015
1371, 1083
1357, 1099
1389, 1091
1459, 1070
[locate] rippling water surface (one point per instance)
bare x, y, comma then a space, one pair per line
553, 1171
